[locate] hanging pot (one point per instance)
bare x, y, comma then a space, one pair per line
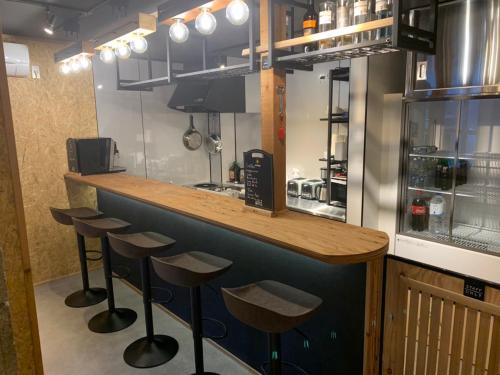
192, 138
213, 144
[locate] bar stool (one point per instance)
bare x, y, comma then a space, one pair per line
152, 350
191, 270
87, 296
271, 307
114, 319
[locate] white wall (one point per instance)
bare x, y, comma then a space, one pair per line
306, 103
149, 134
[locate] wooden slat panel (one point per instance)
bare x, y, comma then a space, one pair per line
456, 341
445, 340
469, 341
423, 330
412, 332
482, 343
456, 297
494, 362
434, 335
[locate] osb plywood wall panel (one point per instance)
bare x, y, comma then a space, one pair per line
46, 112
19, 334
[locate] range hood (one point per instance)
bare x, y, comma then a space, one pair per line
225, 95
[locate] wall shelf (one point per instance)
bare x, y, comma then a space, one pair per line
228, 71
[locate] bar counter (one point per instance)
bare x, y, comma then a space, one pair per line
325, 240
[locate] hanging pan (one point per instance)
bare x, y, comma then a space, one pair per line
192, 138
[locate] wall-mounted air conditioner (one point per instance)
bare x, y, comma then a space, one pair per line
17, 59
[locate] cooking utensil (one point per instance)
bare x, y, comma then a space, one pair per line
213, 144
192, 138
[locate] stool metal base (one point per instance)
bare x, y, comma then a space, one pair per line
112, 320
85, 298
146, 353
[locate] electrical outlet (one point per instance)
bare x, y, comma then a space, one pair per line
421, 70
35, 72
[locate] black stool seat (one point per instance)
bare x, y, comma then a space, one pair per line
152, 350
270, 306
99, 227
65, 215
87, 296
139, 245
190, 269
113, 319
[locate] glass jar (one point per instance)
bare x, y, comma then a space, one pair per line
327, 13
362, 14
344, 19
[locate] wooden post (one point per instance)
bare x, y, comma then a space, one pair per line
271, 81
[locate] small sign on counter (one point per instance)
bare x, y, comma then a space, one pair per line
259, 179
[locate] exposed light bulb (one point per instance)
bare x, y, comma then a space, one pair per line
75, 66
237, 12
85, 62
64, 69
205, 22
178, 32
139, 44
107, 55
123, 51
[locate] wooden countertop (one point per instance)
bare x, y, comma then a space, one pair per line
326, 240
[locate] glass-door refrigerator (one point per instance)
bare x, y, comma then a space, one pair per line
450, 191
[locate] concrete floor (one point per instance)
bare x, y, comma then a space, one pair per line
68, 347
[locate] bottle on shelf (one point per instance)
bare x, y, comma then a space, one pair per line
437, 215
383, 9
462, 172
419, 213
443, 178
327, 12
310, 24
344, 19
362, 14
234, 172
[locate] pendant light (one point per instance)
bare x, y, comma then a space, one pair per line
237, 12
75, 57
107, 55
85, 62
64, 69
75, 66
138, 44
123, 51
178, 32
205, 22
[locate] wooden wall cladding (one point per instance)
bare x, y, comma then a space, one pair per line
19, 342
46, 112
431, 328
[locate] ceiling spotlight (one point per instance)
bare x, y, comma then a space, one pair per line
51, 23
139, 44
237, 12
107, 55
205, 22
85, 62
64, 69
123, 51
178, 32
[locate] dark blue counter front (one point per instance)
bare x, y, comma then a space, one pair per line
336, 332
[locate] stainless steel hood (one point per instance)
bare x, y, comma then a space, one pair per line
467, 53
225, 95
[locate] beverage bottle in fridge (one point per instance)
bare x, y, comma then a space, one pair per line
310, 25
344, 19
361, 11
446, 176
419, 213
437, 215
383, 9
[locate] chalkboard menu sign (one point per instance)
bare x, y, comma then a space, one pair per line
259, 179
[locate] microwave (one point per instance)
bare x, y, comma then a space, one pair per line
92, 155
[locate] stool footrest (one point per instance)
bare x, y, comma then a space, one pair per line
161, 301
91, 259
220, 324
118, 275
296, 367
